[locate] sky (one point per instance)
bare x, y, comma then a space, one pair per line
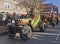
55, 2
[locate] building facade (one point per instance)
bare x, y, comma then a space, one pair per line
9, 6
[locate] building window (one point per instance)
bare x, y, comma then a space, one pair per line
6, 5
15, 6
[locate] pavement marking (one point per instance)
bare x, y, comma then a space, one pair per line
57, 42
44, 33
58, 35
51, 30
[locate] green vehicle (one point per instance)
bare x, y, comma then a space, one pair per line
27, 25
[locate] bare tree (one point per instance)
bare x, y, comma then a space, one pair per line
31, 3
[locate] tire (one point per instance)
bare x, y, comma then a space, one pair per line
11, 31
45, 26
42, 28
25, 33
53, 24
11, 35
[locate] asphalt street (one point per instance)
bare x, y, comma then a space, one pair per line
50, 36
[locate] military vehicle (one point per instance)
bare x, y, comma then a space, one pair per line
25, 26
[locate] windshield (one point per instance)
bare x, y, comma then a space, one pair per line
29, 15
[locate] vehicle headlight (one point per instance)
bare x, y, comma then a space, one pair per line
13, 21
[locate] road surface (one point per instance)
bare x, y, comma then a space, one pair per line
50, 36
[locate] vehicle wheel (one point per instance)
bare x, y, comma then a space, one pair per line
45, 26
53, 24
42, 28
11, 34
25, 33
